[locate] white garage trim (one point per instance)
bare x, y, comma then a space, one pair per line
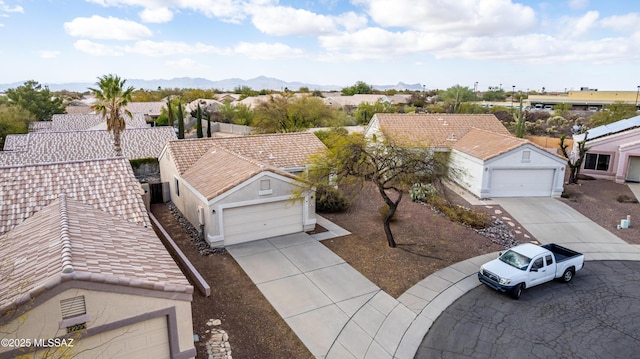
521, 182
253, 221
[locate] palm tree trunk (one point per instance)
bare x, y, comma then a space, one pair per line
116, 141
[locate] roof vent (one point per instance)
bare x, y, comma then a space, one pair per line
452, 137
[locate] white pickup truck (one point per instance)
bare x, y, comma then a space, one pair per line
528, 265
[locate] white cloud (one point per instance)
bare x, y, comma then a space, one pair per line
4, 8
98, 27
158, 15
623, 23
266, 51
578, 4
49, 54
575, 27
463, 17
227, 10
95, 49
284, 21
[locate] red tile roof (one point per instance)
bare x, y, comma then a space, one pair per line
108, 185
69, 240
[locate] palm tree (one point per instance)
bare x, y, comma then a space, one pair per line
112, 98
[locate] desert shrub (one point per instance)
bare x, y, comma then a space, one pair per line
565, 194
623, 198
469, 217
330, 200
384, 211
420, 192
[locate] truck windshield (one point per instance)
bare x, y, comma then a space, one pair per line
515, 259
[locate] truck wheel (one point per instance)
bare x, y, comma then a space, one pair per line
567, 276
517, 291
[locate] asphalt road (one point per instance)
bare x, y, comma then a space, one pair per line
596, 315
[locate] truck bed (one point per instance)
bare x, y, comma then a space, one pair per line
561, 253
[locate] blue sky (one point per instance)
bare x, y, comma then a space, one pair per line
556, 44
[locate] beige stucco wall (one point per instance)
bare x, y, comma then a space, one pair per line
43, 321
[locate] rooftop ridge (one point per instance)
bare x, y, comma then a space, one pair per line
256, 163
62, 163
65, 238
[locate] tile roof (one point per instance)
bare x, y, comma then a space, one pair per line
435, 130
82, 122
69, 240
485, 145
231, 169
281, 150
107, 184
78, 110
49, 147
146, 108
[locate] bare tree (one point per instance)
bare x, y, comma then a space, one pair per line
393, 169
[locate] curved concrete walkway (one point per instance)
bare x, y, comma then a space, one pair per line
338, 313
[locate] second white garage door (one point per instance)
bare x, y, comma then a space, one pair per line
521, 182
248, 223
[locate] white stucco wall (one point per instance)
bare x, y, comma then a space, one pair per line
43, 321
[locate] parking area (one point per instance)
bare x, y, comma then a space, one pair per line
595, 316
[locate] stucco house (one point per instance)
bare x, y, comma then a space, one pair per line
487, 160
81, 261
614, 151
496, 165
239, 189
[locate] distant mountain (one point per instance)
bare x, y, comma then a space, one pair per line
258, 83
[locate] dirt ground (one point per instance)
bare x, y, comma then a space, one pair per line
427, 242
255, 329
597, 200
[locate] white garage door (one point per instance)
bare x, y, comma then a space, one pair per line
521, 183
248, 223
145, 340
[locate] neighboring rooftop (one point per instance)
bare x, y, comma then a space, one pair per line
282, 150
48, 147
485, 145
107, 184
231, 169
82, 122
434, 130
69, 240
615, 127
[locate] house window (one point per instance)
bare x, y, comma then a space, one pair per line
265, 187
74, 314
177, 187
526, 156
597, 161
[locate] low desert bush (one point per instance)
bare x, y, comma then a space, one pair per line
384, 211
623, 198
330, 200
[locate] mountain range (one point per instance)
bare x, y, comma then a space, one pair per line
258, 83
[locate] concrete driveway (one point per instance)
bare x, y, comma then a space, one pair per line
551, 221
